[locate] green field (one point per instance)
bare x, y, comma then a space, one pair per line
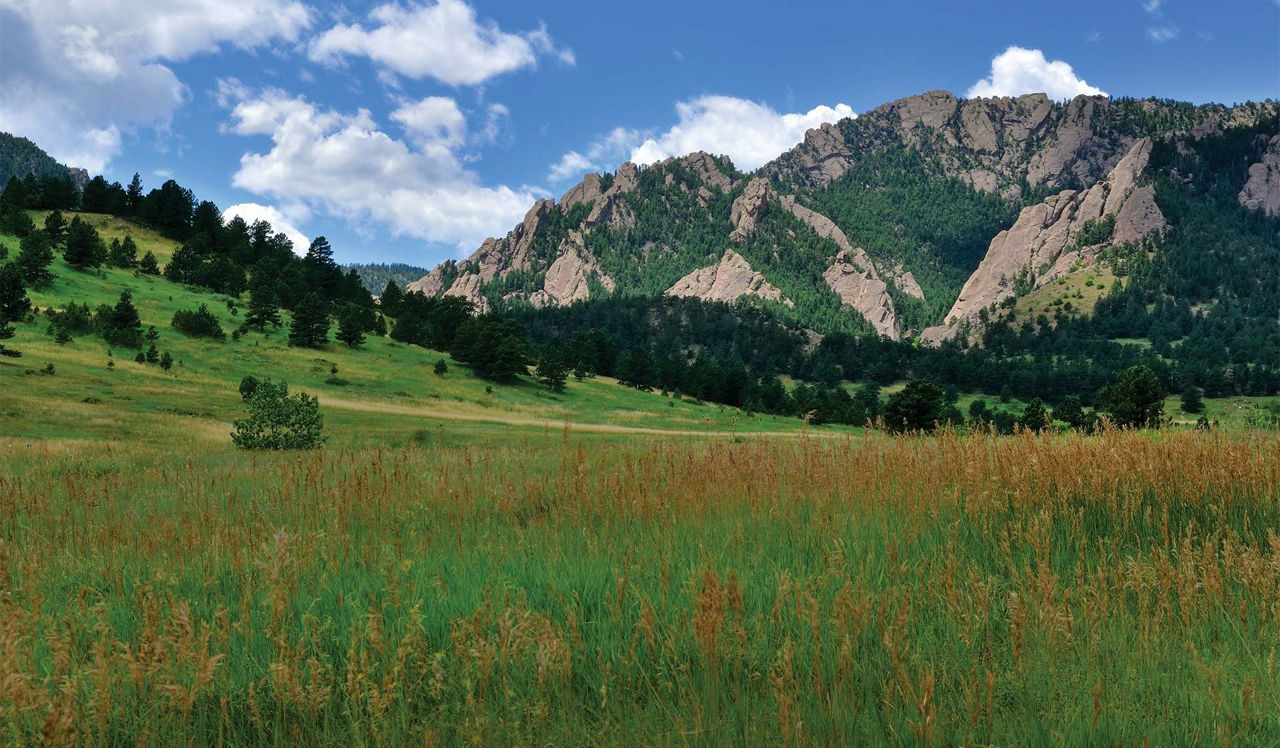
467, 563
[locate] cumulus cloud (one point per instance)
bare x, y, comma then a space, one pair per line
77, 76
251, 212
1017, 71
750, 133
343, 164
441, 40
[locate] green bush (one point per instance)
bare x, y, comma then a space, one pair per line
278, 420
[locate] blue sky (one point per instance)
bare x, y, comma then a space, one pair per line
407, 131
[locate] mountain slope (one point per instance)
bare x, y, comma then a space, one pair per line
20, 157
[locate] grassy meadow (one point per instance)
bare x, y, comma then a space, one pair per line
499, 565
956, 589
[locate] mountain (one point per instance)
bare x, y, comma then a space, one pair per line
375, 275
20, 157
923, 217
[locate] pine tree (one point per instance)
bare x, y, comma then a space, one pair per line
551, 373
310, 328
1035, 417
1070, 411
390, 299
263, 309
14, 303
133, 195
6, 333
351, 329
153, 355
441, 368
123, 326
148, 264
323, 273
84, 247
123, 254
166, 361
55, 227
35, 255
1135, 399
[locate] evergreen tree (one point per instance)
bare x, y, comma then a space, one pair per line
35, 255
551, 373
1135, 399
133, 195
441, 368
166, 361
916, 407
6, 333
310, 327
123, 254
1192, 400
1070, 412
323, 274
351, 328
263, 309
55, 227
152, 355
84, 246
1035, 417
122, 326
14, 220
390, 299
148, 264
14, 303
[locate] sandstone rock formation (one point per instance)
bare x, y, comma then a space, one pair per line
731, 278
905, 281
469, 286
568, 279
1043, 243
583, 192
748, 208
610, 209
861, 289
431, 284
1262, 191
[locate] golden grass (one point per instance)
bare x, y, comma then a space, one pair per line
1114, 589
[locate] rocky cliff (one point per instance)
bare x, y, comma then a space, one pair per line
1049, 239
1076, 171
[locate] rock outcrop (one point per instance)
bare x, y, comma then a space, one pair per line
905, 281
727, 280
748, 208
583, 192
861, 289
470, 286
610, 208
1262, 191
569, 277
433, 283
1045, 242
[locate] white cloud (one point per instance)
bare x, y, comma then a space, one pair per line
78, 75
1017, 71
1161, 29
434, 120
344, 165
750, 133
441, 40
251, 212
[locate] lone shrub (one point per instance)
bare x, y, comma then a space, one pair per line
198, 324
278, 420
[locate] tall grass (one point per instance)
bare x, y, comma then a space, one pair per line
1114, 589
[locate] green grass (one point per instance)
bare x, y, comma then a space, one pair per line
392, 397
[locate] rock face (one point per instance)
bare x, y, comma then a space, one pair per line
731, 278
748, 208
431, 284
610, 209
905, 281
1044, 243
861, 289
469, 286
584, 192
568, 279
1262, 191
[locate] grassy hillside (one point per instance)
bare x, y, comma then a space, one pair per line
391, 397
